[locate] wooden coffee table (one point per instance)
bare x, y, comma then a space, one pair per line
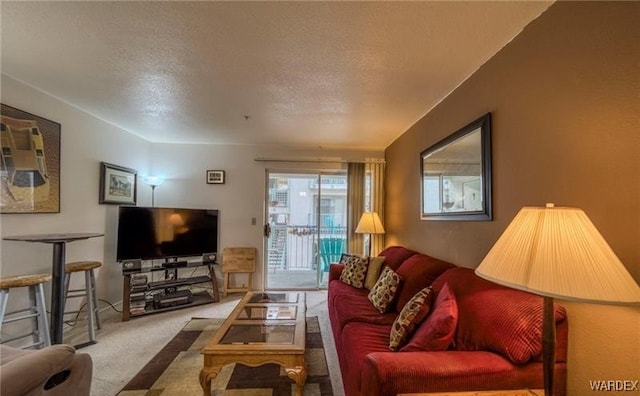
263, 328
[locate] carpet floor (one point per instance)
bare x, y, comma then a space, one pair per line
174, 370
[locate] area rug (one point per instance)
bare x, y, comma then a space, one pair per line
174, 370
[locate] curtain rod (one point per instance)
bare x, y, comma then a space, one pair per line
324, 160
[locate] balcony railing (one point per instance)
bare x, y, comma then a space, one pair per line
297, 247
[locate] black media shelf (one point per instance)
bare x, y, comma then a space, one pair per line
140, 290
198, 299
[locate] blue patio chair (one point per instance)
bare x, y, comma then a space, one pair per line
330, 251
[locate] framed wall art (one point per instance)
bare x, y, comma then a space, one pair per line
29, 163
215, 177
118, 185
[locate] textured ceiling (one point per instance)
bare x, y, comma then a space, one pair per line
322, 74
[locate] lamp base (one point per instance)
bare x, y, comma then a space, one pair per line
548, 344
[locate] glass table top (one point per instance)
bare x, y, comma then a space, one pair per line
273, 298
277, 312
259, 333
263, 321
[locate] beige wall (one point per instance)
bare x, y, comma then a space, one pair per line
565, 101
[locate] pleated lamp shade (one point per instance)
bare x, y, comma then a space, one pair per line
370, 224
558, 252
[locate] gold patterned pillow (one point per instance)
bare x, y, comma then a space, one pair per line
412, 314
384, 291
355, 270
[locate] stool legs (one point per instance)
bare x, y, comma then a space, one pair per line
89, 291
4, 297
91, 311
37, 315
95, 300
42, 311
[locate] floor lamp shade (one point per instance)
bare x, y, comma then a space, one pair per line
558, 252
369, 224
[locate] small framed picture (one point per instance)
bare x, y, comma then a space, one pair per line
215, 177
118, 185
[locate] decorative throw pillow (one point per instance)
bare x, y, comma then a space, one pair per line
437, 331
385, 289
373, 272
355, 270
409, 318
345, 257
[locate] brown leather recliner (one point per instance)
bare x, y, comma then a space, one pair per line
56, 370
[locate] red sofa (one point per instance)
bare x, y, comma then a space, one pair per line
496, 342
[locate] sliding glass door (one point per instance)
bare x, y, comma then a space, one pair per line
306, 228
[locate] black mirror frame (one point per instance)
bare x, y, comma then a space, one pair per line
484, 123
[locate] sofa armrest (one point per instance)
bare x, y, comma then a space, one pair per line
30, 371
389, 373
335, 269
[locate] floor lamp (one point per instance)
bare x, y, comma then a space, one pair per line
369, 224
153, 181
556, 252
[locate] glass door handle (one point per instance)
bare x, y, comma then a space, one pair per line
267, 230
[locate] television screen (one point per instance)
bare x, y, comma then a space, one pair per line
151, 233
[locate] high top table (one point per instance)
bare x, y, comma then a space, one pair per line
59, 242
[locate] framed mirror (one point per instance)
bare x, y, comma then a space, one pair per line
456, 175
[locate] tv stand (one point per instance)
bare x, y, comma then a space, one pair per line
141, 295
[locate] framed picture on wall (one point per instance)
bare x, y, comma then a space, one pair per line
215, 177
118, 185
29, 163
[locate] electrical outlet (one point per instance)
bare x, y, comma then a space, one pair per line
253, 221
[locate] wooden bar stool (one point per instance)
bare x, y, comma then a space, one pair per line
37, 309
89, 292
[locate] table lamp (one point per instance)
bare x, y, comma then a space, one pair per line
153, 181
369, 224
556, 252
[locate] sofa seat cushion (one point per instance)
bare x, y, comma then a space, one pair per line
396, 255
351, 308
337, 292
390, 373
418, 272
359, 340
513, 330
337, 289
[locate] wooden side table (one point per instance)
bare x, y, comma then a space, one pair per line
517, 392
238, 260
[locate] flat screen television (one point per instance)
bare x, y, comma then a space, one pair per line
156, 233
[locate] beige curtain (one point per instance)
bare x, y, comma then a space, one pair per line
355, 205
375, 169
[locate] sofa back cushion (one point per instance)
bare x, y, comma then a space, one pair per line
418, 272
396, 255
496, 318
